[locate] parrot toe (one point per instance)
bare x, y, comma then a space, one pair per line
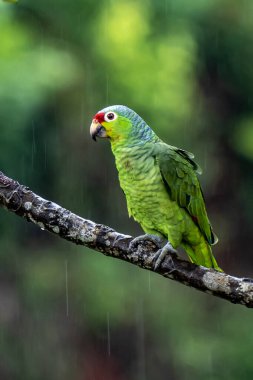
156, 240
161, 253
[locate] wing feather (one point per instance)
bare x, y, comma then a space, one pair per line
179, 173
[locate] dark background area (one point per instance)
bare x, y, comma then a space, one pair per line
186, 67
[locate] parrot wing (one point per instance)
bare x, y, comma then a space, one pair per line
178, 171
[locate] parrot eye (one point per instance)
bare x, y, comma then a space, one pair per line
110, 116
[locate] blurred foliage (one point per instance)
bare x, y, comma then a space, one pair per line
186, 67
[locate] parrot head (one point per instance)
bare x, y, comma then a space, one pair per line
119, 123
111, 122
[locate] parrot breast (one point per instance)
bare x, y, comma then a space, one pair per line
147, 199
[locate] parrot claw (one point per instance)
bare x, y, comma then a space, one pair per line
145, 238
161, 253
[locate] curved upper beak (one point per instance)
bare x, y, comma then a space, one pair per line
97, 130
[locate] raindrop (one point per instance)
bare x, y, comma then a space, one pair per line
149, 281
41, 225
33, 145
66, 288
108, 335
107, 89
205, 160
45, 155
34, 142
166, 7
141, 341
23, 167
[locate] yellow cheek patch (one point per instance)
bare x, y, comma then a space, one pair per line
107, 128
109, 131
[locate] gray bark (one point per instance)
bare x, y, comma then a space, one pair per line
53, 218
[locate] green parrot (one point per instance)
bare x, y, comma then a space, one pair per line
160, 183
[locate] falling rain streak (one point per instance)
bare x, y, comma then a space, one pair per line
107, 89
45, 155
108, 335
140, 341
33, 144
66, 288
149, 281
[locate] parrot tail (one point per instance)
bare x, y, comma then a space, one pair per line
201, 254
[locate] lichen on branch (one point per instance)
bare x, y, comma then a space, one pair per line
50, 216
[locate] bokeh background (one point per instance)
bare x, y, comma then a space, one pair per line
186, 66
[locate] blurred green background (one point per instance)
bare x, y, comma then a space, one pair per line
186, 68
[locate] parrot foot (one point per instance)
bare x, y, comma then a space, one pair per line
148, 238
161, 253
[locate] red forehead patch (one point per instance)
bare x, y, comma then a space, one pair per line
99, 117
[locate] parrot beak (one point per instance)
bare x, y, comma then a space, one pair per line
97, 130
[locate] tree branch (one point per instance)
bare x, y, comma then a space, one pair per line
53, 218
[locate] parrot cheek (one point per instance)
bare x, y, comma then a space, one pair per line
97, 130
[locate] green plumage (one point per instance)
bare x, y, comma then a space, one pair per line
161, 186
